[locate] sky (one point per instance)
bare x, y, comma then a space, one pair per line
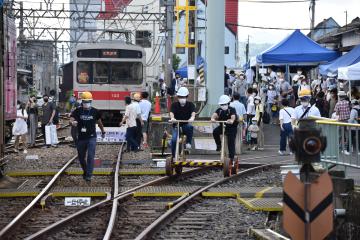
289, 15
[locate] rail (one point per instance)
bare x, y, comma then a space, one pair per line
121, 196
17, 219
343, 143
146, 234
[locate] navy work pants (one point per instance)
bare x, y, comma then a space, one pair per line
87, 146
284, 135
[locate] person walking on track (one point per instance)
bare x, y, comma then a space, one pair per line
48, 114
20, 127
259, 114
145, 107
130, 116
85, 118
287, 120
182, 110
228, 114
33, 112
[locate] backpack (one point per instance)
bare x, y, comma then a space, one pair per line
266, 117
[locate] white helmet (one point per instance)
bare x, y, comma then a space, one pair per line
182, 92
224, 99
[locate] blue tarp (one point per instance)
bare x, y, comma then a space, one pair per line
183, 70
296, 49
345, 60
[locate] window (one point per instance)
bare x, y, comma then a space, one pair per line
143, 38
83, 72
180, 50
227, 50
100, 72
126, 72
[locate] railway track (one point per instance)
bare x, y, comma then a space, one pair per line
184, 224
32, 218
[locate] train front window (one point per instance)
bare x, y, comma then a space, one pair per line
83, 72
126, 72
101, 72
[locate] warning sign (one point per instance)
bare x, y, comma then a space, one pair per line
310, 219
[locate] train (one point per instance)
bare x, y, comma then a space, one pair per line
110, 70
9, 73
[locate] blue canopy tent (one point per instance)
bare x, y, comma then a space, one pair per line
296, 49
345, 60
183, 72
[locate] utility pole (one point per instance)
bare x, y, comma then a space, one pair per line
312, 25
169, 6
192, 40
346, 19
55, 68
62, 55
21, 22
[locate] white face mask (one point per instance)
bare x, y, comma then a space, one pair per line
299, 72
305, 104
318, 89
271, 88
255, 86
224, 107
87, 105
341, 85
182, 101
257, 101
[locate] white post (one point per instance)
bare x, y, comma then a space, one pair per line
215, 42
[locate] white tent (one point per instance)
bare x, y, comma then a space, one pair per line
351, 72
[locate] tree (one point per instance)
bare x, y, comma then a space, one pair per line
176, 62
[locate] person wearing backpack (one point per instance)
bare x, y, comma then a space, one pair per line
287, 119
228, 114
306, 110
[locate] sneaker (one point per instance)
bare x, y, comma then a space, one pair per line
281, 153
25, 151
261, 149
188, 146
291, 153
253, 148
346, 152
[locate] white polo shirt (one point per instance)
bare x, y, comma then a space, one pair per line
287, 115
313, 112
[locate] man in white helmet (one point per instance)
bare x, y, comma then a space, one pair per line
228, 114
182, 110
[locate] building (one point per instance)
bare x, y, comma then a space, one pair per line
38, 57
325, 27
231, 29
345, 38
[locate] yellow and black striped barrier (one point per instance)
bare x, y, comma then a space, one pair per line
197, 164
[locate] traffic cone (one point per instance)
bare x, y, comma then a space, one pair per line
157, 104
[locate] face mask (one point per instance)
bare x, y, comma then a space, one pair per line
182, 101
318, 89
299, 72
255, 86
224, 107
86, 105
305, 104
278, 74
341, 85
281, 80
257, 101
271, 88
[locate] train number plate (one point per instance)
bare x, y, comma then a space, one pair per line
77, 201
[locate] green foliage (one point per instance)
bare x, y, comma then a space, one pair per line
176, 62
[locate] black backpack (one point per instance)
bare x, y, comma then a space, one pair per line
266, 117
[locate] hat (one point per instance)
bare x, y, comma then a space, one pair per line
305, 93
342, 93
331, 75
257, 98
296, 78
254, 119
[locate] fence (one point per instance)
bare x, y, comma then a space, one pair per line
343, 143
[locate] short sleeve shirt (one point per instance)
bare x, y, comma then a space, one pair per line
224, 115
47, 110
182, 112
86, 119
145, 107
286, 114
